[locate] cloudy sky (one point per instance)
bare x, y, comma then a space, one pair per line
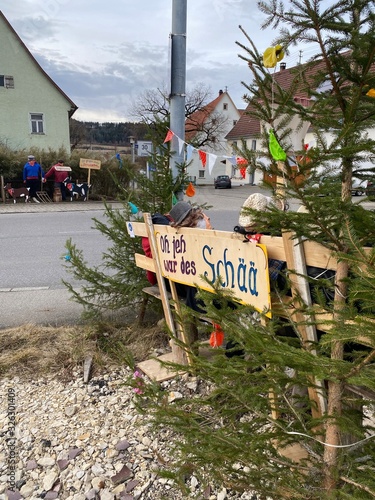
104, 54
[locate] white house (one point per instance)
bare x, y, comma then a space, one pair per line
34, 111
221, 112
248, 129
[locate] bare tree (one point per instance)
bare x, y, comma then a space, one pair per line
202, 126
78, 133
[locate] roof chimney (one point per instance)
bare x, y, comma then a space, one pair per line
220, 92
282, 66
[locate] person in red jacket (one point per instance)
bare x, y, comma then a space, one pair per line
59, 173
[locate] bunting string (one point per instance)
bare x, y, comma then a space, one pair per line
206, 158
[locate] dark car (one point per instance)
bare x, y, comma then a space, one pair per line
223, 181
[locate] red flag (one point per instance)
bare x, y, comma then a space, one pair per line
241, 161
203, 157
169, 136
217, 336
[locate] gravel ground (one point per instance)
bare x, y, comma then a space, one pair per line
75, 441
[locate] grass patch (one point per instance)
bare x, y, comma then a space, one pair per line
30, 350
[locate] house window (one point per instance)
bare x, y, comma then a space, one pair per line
225, 106
7, 81
201, 174
36, 121
253, 144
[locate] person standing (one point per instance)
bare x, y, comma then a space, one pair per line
32, 174
59, 174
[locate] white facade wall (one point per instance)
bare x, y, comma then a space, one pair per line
33, 92
228, 110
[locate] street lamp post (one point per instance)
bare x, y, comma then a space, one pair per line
132, 145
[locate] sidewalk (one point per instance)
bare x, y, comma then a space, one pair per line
66, 206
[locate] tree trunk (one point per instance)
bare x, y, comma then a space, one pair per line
335, 389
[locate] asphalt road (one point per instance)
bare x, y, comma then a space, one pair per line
32, 250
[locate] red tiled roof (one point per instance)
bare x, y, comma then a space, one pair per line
196, 120
247, 126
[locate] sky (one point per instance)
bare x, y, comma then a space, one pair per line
105, 54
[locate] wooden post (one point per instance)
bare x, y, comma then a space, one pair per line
2, 188
88, 182
295, 259
178, 352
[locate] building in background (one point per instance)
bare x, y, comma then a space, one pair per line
206, 130
34, 111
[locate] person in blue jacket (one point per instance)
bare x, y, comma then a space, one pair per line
32, 174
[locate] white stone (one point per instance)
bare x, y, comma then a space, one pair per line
80, 474
97, 481
46, 461
49, 480
222, 495
193, 482
97, 469
71, 410
106, 495
172, 396
27, 489
146, 441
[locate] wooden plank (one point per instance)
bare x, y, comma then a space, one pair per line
155, 371
145, 262
315, 254
139, 229
294, 452
178, 352
295, 260
183, 355
318, 255
154, 292
87, 364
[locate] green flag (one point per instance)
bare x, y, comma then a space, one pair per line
277, 153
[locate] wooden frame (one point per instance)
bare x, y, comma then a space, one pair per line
296, 253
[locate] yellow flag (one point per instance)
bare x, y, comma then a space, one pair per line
272, 56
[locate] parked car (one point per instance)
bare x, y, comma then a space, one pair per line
359, 187
222, 181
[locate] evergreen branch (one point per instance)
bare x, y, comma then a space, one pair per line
358, 485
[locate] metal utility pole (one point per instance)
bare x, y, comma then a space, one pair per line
178, 80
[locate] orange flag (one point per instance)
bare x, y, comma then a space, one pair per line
169, 136
190, 190
217, 336
203, 157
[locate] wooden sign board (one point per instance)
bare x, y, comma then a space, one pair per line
188, 255
91, 164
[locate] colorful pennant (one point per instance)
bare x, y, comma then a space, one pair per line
169, 136
207, 159
203, 157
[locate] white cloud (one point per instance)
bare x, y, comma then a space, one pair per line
104, 54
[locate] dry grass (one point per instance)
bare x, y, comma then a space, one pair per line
31, 350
